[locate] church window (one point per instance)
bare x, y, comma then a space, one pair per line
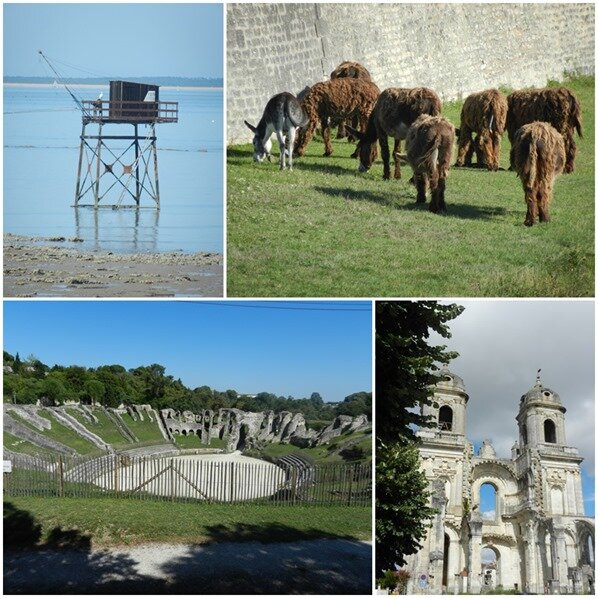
488, 496
524, 433
549, 431
445, 418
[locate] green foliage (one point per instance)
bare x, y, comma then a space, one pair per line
402, 511
326, 230
113, 385
405, 362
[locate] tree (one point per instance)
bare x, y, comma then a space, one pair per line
402, 510
95, 390
405, 362
405, 366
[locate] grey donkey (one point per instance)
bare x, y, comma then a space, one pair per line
283, 114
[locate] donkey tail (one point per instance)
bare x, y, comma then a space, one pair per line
295, 113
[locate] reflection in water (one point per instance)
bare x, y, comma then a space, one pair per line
129, 228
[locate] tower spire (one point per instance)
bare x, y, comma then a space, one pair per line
538, 382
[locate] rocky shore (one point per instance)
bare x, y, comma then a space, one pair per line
43, 267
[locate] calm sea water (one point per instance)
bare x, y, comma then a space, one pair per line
41, 151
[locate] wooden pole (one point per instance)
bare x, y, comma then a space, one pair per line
78, 188
137, 183
96, 195
155, 152
61, 476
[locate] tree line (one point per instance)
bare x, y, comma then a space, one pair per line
29, 380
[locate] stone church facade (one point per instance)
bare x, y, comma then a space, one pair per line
540, 538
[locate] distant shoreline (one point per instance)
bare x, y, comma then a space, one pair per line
104, 86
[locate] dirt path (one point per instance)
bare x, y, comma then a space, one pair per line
307, 567
34, 270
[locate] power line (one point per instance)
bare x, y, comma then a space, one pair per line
278, 307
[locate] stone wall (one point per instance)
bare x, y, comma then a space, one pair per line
453, 48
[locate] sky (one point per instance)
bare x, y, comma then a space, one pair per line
502, 344
287, 348
114, 40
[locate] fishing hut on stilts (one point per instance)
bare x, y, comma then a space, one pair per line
107, 168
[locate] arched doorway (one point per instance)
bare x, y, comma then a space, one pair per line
490, 573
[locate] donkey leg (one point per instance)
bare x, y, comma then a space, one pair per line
532, 207
570, 149
291, 140
464, 146
326, 137
281, 145
385, 152
395, 154
420, 185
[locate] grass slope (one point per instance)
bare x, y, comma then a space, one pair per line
325, 230
116, 521
146, 431
327, 453
18, 445
105, 428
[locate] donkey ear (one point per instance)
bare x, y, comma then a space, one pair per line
357, 134
253, 129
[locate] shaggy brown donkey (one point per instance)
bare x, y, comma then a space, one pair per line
485, 114
558, 106
538, 155
335, 99
395, 111
429, 147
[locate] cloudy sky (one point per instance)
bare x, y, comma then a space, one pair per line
502, 344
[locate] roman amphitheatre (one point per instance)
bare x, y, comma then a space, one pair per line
229, 455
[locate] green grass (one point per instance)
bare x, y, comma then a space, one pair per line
67, 436
17, 445
327, 453
116, 521
146, 431
105, 428
325, 230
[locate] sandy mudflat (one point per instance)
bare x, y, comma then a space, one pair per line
52, 270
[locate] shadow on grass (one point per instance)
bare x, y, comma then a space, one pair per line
265, 558
457, 210
323, 168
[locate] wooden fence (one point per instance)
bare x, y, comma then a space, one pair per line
182, 478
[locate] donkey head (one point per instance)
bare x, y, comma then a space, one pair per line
367, 150
261, 148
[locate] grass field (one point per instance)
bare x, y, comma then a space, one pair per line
327, 453
146, 431
112, 522
325, 230
105, 428
60, 433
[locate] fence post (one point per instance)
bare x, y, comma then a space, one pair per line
115, 475
351, 470
172, 479
294, 483
232, 481
61, 476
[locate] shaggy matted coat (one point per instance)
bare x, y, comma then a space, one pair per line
538, 156
349, 70
394, 112
429, 145
485, 115
335, 99
558, 106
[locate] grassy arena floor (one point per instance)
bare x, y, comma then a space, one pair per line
111, 522
325, 230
